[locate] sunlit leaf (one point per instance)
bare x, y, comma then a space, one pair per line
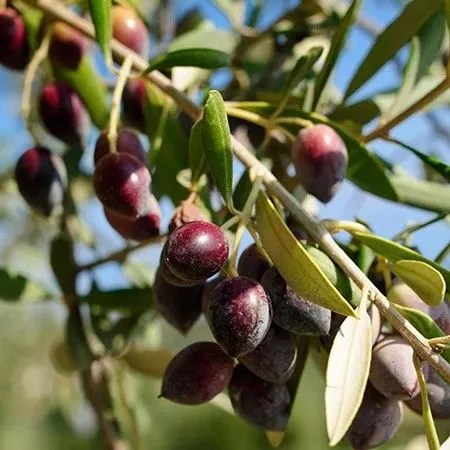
347, 373
203, 58
392, 39
337, 43
100, 11
423, 279
293, 262
394, 252
217, 144
424, 324
196, 152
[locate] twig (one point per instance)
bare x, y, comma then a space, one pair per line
314, 229
120, 255
443, 254
418, 226
417, 106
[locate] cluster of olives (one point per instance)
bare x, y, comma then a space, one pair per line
121, 179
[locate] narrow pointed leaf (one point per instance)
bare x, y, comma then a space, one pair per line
395, 252
423, 279
301, 69
196, 152
127, 300
217, 144
203, 58
337, 44
76, 340
425, 324
15, 287
447, 18
294, 263
101, 17
431, 161
392, 39
347, 374
446, 444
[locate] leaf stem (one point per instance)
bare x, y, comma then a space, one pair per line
30, 72
417, 106
120, 255
430, 428
335, 226
116, 101
316, 230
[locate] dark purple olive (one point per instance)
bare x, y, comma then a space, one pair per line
122, 184
134, 101
42, 179
197, 374
290, 311
320, 160
180, 306
264, 405
63, 113
239, 315
127, 142
14, 48
196, 251
274, 359
252, 264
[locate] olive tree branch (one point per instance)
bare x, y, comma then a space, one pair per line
120, 255
384, 130
316, 230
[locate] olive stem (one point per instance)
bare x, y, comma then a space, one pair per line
430, 428
315, 229
30, 72
120, 255
116, 101
335, 226
441, 341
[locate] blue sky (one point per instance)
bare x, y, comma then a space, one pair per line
385, 217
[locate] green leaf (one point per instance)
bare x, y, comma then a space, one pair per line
203, 58
150, 362
76, 340
431, 161
364, 168
337, 43
447, 13
392, 39
196, 152
217, 144
423, 279
337, 277
126, 300
408, 81
347, 374
63, 263
208, 38
101, 16
293, 262
172, 156
421, 194
90, 87
301, 69
242, 191
33, 19
61, 359
15, 287
394, 252
361, 112
424, 324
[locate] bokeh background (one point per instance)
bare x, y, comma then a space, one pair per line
43, 409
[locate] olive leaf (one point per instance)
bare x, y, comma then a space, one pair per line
77, 343
15, 287
100, 11
337, 43
392, 39
395, 252
217, 144
347, 373
424, 324
293, 262
196, 152
423, 279
62, 249
203, 58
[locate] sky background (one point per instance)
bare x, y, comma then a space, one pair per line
385, 217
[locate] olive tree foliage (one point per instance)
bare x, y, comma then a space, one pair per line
239, 129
